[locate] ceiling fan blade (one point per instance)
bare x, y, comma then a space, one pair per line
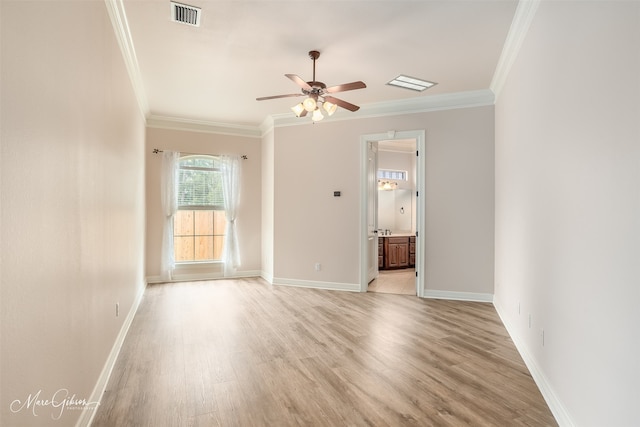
345, 87
297, 80
264, 98
341, 103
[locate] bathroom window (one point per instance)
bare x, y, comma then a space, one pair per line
392, 174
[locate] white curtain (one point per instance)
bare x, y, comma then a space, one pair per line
230, 166
169, 198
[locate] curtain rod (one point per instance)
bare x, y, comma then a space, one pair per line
156, 151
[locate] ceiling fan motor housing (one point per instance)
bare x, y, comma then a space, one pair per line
317, 88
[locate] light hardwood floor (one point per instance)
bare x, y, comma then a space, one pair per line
244, 353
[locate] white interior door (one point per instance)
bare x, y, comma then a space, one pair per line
372, 210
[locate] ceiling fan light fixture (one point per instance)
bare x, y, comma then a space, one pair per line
329, 107
316, 93
310, 104
317, 115
298, 109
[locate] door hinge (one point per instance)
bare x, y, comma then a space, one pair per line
416, 233
416, 274
417, 153
417, 193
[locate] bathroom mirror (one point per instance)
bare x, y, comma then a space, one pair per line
395, 211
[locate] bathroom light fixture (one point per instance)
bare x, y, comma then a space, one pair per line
387, 185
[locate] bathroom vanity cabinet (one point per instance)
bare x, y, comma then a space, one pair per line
396, 252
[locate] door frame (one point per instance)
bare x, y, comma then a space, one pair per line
419, 136
372, 188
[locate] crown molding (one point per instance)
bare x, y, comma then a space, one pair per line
118, 18
174, 123
425, 104
475, 98
267, 125
522, 19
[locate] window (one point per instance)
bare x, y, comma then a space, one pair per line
199, 225
392, 174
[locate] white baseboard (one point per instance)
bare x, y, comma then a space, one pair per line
267, 276
334, 286
458, 296
246, 273
555, 405
189, 277
154, 279
89, 411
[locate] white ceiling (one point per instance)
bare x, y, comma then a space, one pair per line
242, 49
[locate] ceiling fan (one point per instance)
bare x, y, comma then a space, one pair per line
317, 94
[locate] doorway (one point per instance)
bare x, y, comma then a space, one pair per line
400, 282
398, 229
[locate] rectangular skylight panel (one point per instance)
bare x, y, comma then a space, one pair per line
416, 82
411, 83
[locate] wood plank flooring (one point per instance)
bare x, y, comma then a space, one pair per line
243, 353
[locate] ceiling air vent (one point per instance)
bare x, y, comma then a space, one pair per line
185, 14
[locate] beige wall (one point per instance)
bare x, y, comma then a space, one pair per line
311, 226
290, 220
248, 220
72, 196
267, 205
568, 208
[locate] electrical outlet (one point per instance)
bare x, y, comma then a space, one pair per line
318, 266
117, 309
529, 320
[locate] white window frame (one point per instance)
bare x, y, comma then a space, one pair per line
394, 174
216, 207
